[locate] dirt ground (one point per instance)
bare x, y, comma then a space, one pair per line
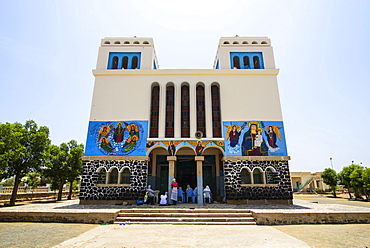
351, 235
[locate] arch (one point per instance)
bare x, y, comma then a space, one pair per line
226, 42
246, 62
215, 147
245, 176
146, 42
201, 108
154, 111
235, 42
136, 42
107, 42
216, 111
245, 42
186, 149
113, 175
236, 63
126, 42
264, 42
185, 111
135, 62
102, 175
254, 42
115, 62
125, 62
117, 42
256, 62
257, 176
151, 149
170, 111
125, 175
270, 175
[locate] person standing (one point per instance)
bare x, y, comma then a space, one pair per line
174, 186
151, 195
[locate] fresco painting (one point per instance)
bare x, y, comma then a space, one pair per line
254, 138
173, 145
120, 138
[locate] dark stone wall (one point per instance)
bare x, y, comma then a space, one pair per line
138, 179
234, 190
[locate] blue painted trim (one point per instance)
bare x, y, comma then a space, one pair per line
200, 190
120, 56
250, 55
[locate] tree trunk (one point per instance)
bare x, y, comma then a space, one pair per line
15, 190
60, 191
70, 190
334, 191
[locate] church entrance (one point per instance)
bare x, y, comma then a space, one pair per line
186, 172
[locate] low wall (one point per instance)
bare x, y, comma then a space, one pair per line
312, 218
59, 217
36, 196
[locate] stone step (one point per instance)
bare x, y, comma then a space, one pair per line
185, 214
186, 223
174, 210
177, 219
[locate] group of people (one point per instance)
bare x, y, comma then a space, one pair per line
178, 195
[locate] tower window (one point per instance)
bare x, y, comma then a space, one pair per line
250, 60
125, 60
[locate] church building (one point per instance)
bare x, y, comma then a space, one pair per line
219, 127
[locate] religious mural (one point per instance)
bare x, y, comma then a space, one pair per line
254, 138
198, 145
119, 138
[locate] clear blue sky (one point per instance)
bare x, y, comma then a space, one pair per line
48, 49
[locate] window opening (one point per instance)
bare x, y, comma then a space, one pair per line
216, 111
102, 175
257, 176
154, 113
201, 111
113, 176
185, 112
125, 176
245, 177
170, 117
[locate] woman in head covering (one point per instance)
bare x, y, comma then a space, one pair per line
207, 194
174, 186
163, 201
189, 193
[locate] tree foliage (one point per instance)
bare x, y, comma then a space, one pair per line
22, 150
330, 177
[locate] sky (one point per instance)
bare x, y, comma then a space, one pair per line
48, 50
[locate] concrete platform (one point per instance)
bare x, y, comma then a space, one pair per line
305, 211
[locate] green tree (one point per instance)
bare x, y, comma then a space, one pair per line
366, 181
357, 182
344, 176
22, 150
57, 168
330, 177
32, 181
74, 162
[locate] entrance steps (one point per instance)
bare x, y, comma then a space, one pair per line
186, 217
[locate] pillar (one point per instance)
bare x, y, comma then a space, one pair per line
199, 160
171, 175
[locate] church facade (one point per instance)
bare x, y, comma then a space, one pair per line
220, 127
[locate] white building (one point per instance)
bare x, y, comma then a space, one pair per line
220, 127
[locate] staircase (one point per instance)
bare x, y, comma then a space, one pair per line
186, 217
300, 187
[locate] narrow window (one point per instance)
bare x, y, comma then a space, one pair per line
154, 113
125, 176
216, 112
257, 176
256, 62
246, 62
185, 110
270, 176
115, 62
245, 176
201, 110
134, 62
236, 62
113, 176
102, 174
125, 62
170, 117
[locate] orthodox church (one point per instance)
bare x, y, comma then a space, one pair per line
219, 127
